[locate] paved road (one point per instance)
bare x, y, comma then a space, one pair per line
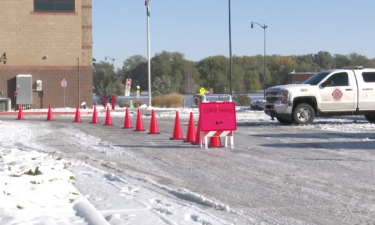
275, 175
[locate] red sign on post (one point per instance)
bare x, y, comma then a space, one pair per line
127, 87
218, 116
64, 82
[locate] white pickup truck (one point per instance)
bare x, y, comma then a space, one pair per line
347, 91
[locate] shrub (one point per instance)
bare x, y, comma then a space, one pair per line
163, 85
122, 104
157, 101
242, 100
37, 172
138, 102
174, 100
257, 105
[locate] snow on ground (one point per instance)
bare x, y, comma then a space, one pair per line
38, 188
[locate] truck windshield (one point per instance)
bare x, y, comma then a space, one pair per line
315, 79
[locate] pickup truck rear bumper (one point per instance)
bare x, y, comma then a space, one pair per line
281, 110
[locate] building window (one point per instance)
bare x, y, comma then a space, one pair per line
54, 5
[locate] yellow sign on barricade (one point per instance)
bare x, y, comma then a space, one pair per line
202, 90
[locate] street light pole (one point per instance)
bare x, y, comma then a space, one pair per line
113, 64
264, 56
105, 92
105, 84
148, 54
230, 53
113, 61
79, 82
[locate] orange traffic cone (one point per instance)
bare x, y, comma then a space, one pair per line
139, 124
95, 118
108, 120
177, 132
78, 116
20, 114
49, 114
198, 134
190, 135
127, 121
214, 142
153, 124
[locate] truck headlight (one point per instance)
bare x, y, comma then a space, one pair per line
284, 95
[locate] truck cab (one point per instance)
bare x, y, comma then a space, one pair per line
347, 91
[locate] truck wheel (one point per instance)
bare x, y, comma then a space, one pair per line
370, 118
303, 114
284, 121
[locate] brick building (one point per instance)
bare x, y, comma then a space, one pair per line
299, 77
49, 40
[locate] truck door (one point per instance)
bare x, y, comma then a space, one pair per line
366, 90
338, 92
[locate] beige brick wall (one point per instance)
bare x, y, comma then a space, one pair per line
28, 36
53, 93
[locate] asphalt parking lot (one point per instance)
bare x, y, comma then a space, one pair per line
319, 174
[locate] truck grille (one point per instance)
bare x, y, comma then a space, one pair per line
271, 96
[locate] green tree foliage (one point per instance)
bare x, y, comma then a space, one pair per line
252, 81
340, 61
104, 80
170, 64
167, 71
135, 68
214, 72
359, 60
164, 85
324, 60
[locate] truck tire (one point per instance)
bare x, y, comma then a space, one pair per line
303, 114
370, 118
284, 121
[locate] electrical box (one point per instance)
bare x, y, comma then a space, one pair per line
39, 85
24, 89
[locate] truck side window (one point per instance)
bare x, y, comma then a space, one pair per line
368, 77
339, 79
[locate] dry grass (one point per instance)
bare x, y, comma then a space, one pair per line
138, 102
242, 100
122, 104
157, 101
174, 100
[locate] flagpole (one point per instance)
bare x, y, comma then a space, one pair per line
148, 56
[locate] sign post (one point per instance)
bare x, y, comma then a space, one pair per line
113, 101
202, 90
64, 83
138, 91
127, 88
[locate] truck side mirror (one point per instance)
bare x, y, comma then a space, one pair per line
327, 83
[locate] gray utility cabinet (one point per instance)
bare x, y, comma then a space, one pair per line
24, 89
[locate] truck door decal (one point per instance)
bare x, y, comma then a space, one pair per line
337, 94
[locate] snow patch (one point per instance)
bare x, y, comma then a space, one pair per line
200, 199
